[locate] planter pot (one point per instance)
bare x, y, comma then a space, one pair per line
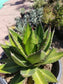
56, 70
2, 81
59, 70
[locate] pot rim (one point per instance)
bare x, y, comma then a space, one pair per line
60, 71
3, 81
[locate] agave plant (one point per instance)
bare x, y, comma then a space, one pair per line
26, 55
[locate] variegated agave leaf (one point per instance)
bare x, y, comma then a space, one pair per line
26, 54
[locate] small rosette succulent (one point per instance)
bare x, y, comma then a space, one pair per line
33, 17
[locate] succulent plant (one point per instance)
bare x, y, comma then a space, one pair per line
48, 15
59, 17
26, 55
33, 17
39, 3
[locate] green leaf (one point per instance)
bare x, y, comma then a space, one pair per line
53, 56
15, 51
39, 78
45, 34
27, 73
13, 47
30, 47
36, 57
2, 71
18, 79
33, 43
40, 32
37, 35
34, 37
4, 60
7, 43
11, 41
45, 37
6, 50
27, 34
9, 68
48, 51
48, 39
18, 41
18, 60
48, 75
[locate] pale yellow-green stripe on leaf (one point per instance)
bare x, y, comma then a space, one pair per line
48, 75
39, 78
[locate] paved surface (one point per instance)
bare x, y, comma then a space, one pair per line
7, 15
